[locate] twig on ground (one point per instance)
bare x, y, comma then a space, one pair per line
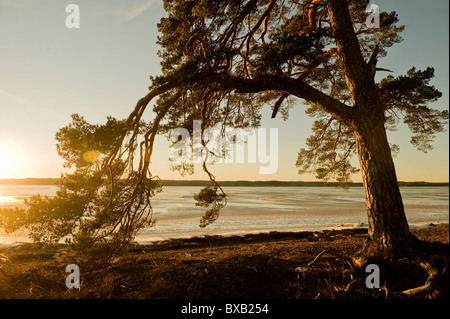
317, 257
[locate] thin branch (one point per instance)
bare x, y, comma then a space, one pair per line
278, 103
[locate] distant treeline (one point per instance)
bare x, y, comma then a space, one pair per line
53, 181
29, 181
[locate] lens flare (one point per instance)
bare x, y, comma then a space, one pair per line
91, 156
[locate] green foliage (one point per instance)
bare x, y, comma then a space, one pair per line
283, 47
208, 197
329, 152
11, 219
332, 145
100, 206
76, 140
409, 95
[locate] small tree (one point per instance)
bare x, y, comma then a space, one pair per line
96, 208
222, 61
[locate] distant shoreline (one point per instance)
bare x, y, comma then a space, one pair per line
53, 181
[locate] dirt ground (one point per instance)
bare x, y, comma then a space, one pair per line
295, 265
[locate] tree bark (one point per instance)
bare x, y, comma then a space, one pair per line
388, 227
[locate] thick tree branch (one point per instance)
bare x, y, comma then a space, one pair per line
292, 86
312, 10
135, 117
372, 64
357, 73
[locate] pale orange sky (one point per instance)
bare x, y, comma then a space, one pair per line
49, 72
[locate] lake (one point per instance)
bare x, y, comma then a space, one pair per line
260, 209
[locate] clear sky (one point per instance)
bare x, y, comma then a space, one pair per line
48, 72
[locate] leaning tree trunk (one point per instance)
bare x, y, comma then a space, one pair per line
388, 228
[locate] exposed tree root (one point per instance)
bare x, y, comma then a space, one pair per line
421, 274
430, 284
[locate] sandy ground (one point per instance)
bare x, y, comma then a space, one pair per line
270, 266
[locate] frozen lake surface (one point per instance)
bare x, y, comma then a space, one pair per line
260, 209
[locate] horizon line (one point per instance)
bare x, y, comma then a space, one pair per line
50, 179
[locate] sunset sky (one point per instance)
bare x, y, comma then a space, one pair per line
48, 72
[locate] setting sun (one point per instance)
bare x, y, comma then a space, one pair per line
9, 159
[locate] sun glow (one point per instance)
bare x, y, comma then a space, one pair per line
9, 159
